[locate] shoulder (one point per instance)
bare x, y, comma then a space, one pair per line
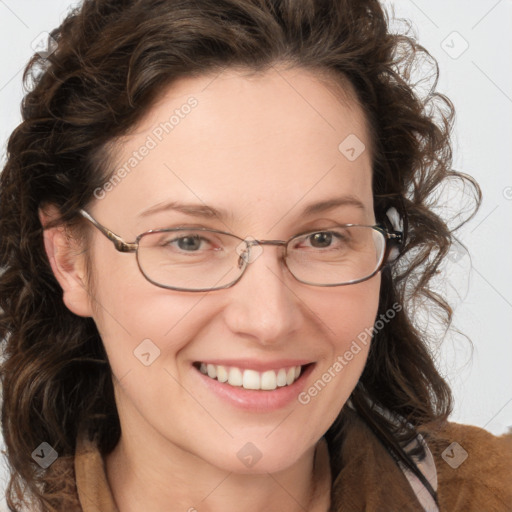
474, 467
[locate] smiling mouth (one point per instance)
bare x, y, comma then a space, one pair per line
252, 379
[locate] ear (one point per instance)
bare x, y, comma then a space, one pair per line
68, 262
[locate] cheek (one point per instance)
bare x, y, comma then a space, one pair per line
349, 316
129, 310
145, 329
349, 311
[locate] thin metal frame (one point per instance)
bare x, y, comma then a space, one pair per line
392, 238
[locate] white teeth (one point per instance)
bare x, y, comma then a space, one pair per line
268, 380
281, 377
251, 379
212, 371
222, 374
235, 377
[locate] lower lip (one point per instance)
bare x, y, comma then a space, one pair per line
257, 400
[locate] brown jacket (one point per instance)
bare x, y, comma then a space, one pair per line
474, 473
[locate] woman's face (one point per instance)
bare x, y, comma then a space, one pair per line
261, 150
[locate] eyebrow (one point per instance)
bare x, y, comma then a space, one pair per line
208, 212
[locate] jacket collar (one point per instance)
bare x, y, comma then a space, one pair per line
91, 480
370, 480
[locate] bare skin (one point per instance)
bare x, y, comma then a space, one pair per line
262, 148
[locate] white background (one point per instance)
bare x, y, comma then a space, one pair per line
479, 82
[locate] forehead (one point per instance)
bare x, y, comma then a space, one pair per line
258, 141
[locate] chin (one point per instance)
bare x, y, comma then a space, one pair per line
260, 456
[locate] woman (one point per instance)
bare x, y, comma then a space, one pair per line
215, 221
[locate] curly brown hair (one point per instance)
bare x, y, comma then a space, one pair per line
114, 58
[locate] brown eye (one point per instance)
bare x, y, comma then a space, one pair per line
320, 240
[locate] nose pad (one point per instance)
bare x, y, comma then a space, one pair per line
248, 251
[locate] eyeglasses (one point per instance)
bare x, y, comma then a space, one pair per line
202, 259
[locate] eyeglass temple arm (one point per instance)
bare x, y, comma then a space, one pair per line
118, 242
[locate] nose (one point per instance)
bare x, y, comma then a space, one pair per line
263, 304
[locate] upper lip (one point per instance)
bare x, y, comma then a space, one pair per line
259, 366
